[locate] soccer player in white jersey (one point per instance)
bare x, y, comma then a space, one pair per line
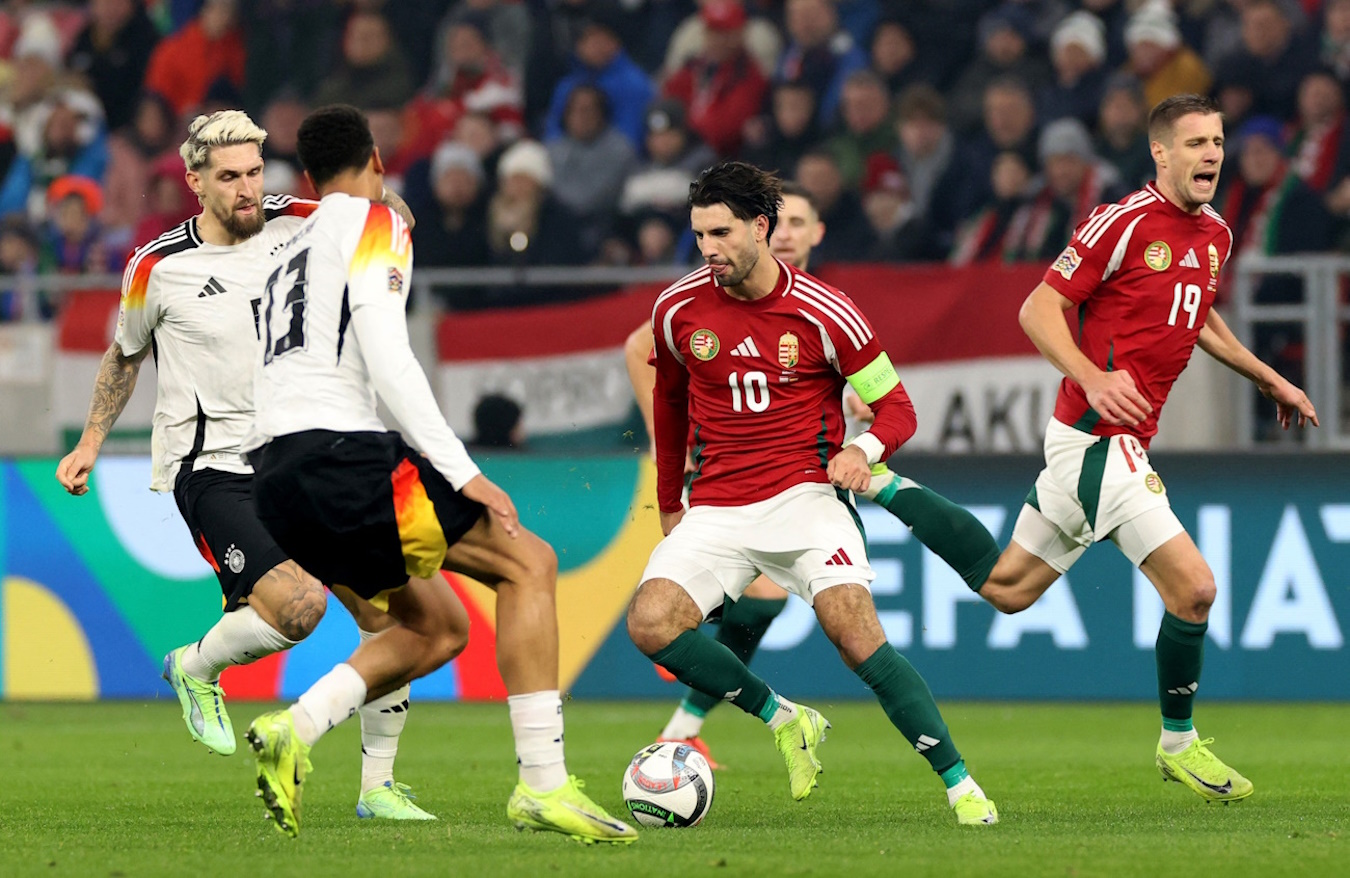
356, 505
937, 523
191, 297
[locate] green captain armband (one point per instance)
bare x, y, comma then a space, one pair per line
875, 380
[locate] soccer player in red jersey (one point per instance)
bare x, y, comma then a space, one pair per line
754, 354
1143, 273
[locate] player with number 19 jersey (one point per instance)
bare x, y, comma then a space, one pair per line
1144, 273
756, 386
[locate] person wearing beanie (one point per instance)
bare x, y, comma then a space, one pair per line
527, 225
1158, 57
454, 234
1078, 56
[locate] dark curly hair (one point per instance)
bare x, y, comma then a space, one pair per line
334, 139
746, 190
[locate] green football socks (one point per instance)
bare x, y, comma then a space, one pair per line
1181, 653
741, 629
702, 663
949, 531
909, 703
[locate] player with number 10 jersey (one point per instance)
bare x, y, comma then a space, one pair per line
1144, 273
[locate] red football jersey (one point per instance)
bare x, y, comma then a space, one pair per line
756, 387
1144, 273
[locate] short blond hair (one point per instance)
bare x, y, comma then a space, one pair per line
222, 128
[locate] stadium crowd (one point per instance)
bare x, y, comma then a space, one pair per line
566, 132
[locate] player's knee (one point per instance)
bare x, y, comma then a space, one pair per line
649, 625
448, 644
539, 564
1200, 597
856, 647
303, 608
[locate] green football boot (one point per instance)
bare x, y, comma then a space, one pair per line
797, 740
1205, 773
973, 809
283, 763
569, 811
203, 705
391, 801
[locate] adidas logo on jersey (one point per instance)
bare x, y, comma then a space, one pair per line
839, 559
1190, 261
745, 349
212, 288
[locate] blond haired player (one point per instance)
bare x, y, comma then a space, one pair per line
191, 296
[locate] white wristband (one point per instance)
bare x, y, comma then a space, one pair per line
870, 445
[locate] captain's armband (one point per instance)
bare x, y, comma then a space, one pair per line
875, 380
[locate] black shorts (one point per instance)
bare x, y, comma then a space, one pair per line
218, 509
364, 510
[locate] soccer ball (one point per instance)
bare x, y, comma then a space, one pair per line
668, 784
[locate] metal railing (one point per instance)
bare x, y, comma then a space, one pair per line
1316, 321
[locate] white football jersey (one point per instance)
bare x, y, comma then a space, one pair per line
198, 306
335, 334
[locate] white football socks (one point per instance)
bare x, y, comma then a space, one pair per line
240, 637
784, 712
334, 698
683, 725
382, 722
965, 785
537, 722
1174, 742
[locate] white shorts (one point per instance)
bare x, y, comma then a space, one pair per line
805, 539
1094, 487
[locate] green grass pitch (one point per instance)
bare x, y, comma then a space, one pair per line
118, 789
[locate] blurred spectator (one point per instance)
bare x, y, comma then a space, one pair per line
1270, 210
386, 127
555, 29
73, 142
508, 26
984, 237
1009, 124
657, 240
895, 57
1122, 130
210, 47
373, 71
19, 257
1159, 59
867, 125
675, 155
858, 18
281, 120
131, 155
761, 39
112, 52
819, 54
290, 46
1262, 77
899, 226
1335, 50
1003, 35
1114, 15
1075, 181
453, 232
602, 62
526, 224
928, 155
470, 77
1044, 15
1319, 138
497, 423
170, 200
779, 141
478, 132
415, 29
74, 241
590, 162
1078, 56
851, 238
721, 86
37, 60
1220, 24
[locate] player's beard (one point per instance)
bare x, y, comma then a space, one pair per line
241, 228
747, 262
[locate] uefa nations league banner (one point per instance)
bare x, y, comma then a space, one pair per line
95, 589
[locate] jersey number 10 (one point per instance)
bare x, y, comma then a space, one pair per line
756, 392
1186, 298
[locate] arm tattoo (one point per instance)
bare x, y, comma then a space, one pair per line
112, 388
392, 199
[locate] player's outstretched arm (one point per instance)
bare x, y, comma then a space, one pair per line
1113, 395
642, 375
112, 388
1217, 340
